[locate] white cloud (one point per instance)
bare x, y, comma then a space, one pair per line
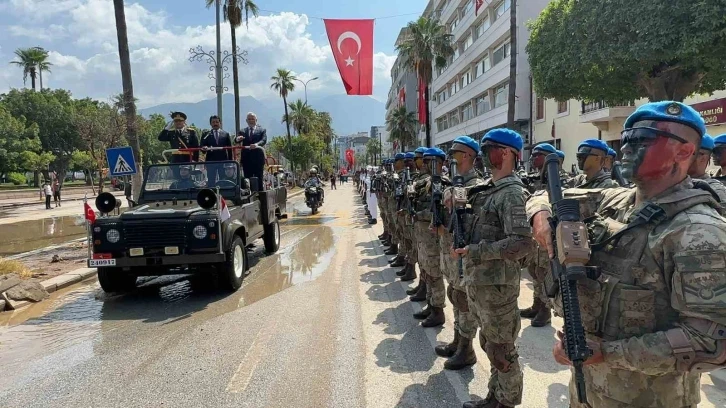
161, 68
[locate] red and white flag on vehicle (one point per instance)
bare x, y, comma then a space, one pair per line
224, 211
89, 213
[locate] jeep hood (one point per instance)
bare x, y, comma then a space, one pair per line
180, 210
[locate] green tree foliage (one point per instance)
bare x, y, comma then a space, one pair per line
151, 147
16, 136
401, 126
621, 50
373, 150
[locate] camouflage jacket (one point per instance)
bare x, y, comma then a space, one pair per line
601, 180
716, 185
657, 304
498, 233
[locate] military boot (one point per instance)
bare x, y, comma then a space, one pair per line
410, 274
393, 250
464, 356
402, 271
543, 318
531, 312
436, 318
384, 235
399, 261
424, 313
420, 295
448, 350
412, 291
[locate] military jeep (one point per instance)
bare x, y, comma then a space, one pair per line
182, 225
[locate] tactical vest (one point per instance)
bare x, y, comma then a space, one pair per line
632, 297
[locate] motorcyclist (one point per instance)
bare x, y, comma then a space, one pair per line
185, 179
314, 178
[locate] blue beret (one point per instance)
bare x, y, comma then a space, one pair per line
435, 152
707, 142
612, 152
409, 156
504, 136
399, 156
420, 150
594, 144
720, 139
561, 154
468, 142
544, 147
668, 111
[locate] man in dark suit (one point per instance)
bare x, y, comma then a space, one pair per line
253, 159
216, 138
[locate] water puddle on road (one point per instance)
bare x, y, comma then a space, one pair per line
84, 312
27, 236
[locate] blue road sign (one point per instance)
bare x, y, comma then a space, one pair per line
121, 161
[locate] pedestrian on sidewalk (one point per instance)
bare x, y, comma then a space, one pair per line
332, 182
57, 193
48, 194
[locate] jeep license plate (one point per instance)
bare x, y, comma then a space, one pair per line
101, 262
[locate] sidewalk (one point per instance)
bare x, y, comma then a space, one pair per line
21, 202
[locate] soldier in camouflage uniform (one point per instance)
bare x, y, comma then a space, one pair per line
699, 166
397, 247
427, 246
382, 197
609, 160
654, 314
563, 174
719, 155
499, 240
591, 156
460, 351
405, 224
538, 262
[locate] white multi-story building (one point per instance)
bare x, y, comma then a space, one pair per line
470, 95
380, 133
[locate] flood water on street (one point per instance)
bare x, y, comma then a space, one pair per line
26, 236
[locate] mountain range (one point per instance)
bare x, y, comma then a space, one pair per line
350, 114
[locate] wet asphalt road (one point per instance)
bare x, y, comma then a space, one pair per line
322, 323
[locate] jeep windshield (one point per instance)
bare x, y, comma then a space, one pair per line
191, 177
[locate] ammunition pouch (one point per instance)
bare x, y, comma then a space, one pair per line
687, 358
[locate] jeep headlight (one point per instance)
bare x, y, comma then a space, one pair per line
200, 232
113, 236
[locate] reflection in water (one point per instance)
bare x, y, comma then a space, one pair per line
30, 235
64, 324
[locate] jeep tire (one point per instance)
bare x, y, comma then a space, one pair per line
115, 280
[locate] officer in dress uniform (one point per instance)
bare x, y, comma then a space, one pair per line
180, 136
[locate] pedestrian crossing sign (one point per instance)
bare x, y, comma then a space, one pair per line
121, 161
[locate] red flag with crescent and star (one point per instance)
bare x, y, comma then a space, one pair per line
352, 45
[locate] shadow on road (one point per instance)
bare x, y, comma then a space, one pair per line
558, 396
437, 392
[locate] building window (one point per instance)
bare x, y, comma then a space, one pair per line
483, 26
483, 105
468, 42
456, 52
445, 122
465, 79
501, 8
466, 112
453, 24
454, 118
467, 7
540, 110
486, 64
500, 53
562, 107
501, 95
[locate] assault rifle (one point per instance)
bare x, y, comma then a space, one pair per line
459, 200
617, 174
409, 198
572, 252
398, 191
436, 195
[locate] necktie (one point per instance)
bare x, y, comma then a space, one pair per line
216, 136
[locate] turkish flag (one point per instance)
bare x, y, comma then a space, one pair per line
479, 3
352, 44
402, 97
89, 213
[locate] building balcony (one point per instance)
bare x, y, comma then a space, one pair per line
600, 111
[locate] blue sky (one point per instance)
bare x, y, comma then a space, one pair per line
81, 36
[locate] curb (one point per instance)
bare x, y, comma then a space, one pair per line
53, 284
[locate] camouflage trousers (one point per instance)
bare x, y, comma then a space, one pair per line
538, 267
495, 308
464, 320
408, 237
597, 400
393, 222
404, 243
382, 203
429, 260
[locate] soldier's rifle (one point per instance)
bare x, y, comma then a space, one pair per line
572, 253
459, 201
409, 195
398, 193
617, 174
436, 195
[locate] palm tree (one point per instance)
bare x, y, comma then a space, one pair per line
283, 83
326, 129
401, 125
233, 13
128, 92
512, 97
301, 116
33, 61
425, 45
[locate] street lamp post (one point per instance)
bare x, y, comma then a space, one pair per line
217, 64
305, 86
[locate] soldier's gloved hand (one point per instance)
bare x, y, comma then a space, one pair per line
447, 199
558, 351
542, 232
457, 252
